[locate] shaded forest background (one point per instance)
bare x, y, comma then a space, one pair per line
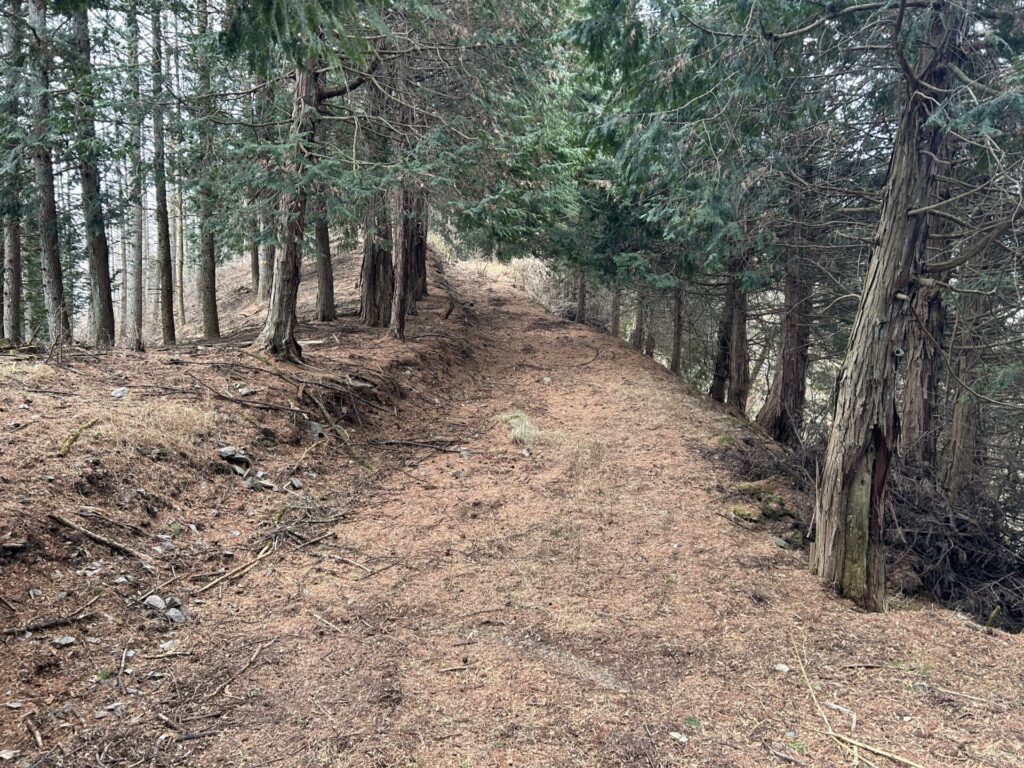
810, 212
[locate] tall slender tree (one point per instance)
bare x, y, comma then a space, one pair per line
57, 314
164, 264
134, 278
97, 246
208, 248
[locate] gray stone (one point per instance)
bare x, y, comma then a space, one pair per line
120, 392
175, 616
155, 602
63, 641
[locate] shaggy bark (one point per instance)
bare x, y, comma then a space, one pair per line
848, 550
925, 331
616, 324
581, 297
419, 232
324, 268
254, 260
132, 324
720, 371
783, 411
208, 246
10, 208
57, 316
92, 199
639, 332
739, 362
165, 267
377, 276
278, 334
12, 280
269, 233
676, 364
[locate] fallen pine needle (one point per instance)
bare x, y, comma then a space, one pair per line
880, 752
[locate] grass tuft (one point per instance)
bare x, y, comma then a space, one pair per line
522, 431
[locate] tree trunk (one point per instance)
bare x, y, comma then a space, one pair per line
165, 267
325, 311
925, 330
616, 326
10, 182
123, 286
254, 258
179, 266
57, 317
92, 199
278, 334
963, 451
269, 230
208, 247
403, 268
739, 362
848, 549
421, 216
676, 364
3, 279
650, 343
377, 276
12, 280
720, 374
783, 411
133, 322
639, 332
581, 297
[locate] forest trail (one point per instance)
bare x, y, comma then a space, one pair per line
588, 604
582, 597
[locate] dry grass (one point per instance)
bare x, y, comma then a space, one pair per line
522, 431
27, 373
586, 459
152, 425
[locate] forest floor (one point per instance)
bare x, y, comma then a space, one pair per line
512, 541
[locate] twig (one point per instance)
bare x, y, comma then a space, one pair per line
65, 449
250, 403
240, 570
99, 539
877, 751
159, 586
317, 540
446, 447
60, 621
249, 663
781, 755
349, 562
333, 626
34, 731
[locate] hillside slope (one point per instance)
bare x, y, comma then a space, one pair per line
515, 544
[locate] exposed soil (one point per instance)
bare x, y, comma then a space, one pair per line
600, 591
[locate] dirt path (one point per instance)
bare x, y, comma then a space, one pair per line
580, 602
586, 604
